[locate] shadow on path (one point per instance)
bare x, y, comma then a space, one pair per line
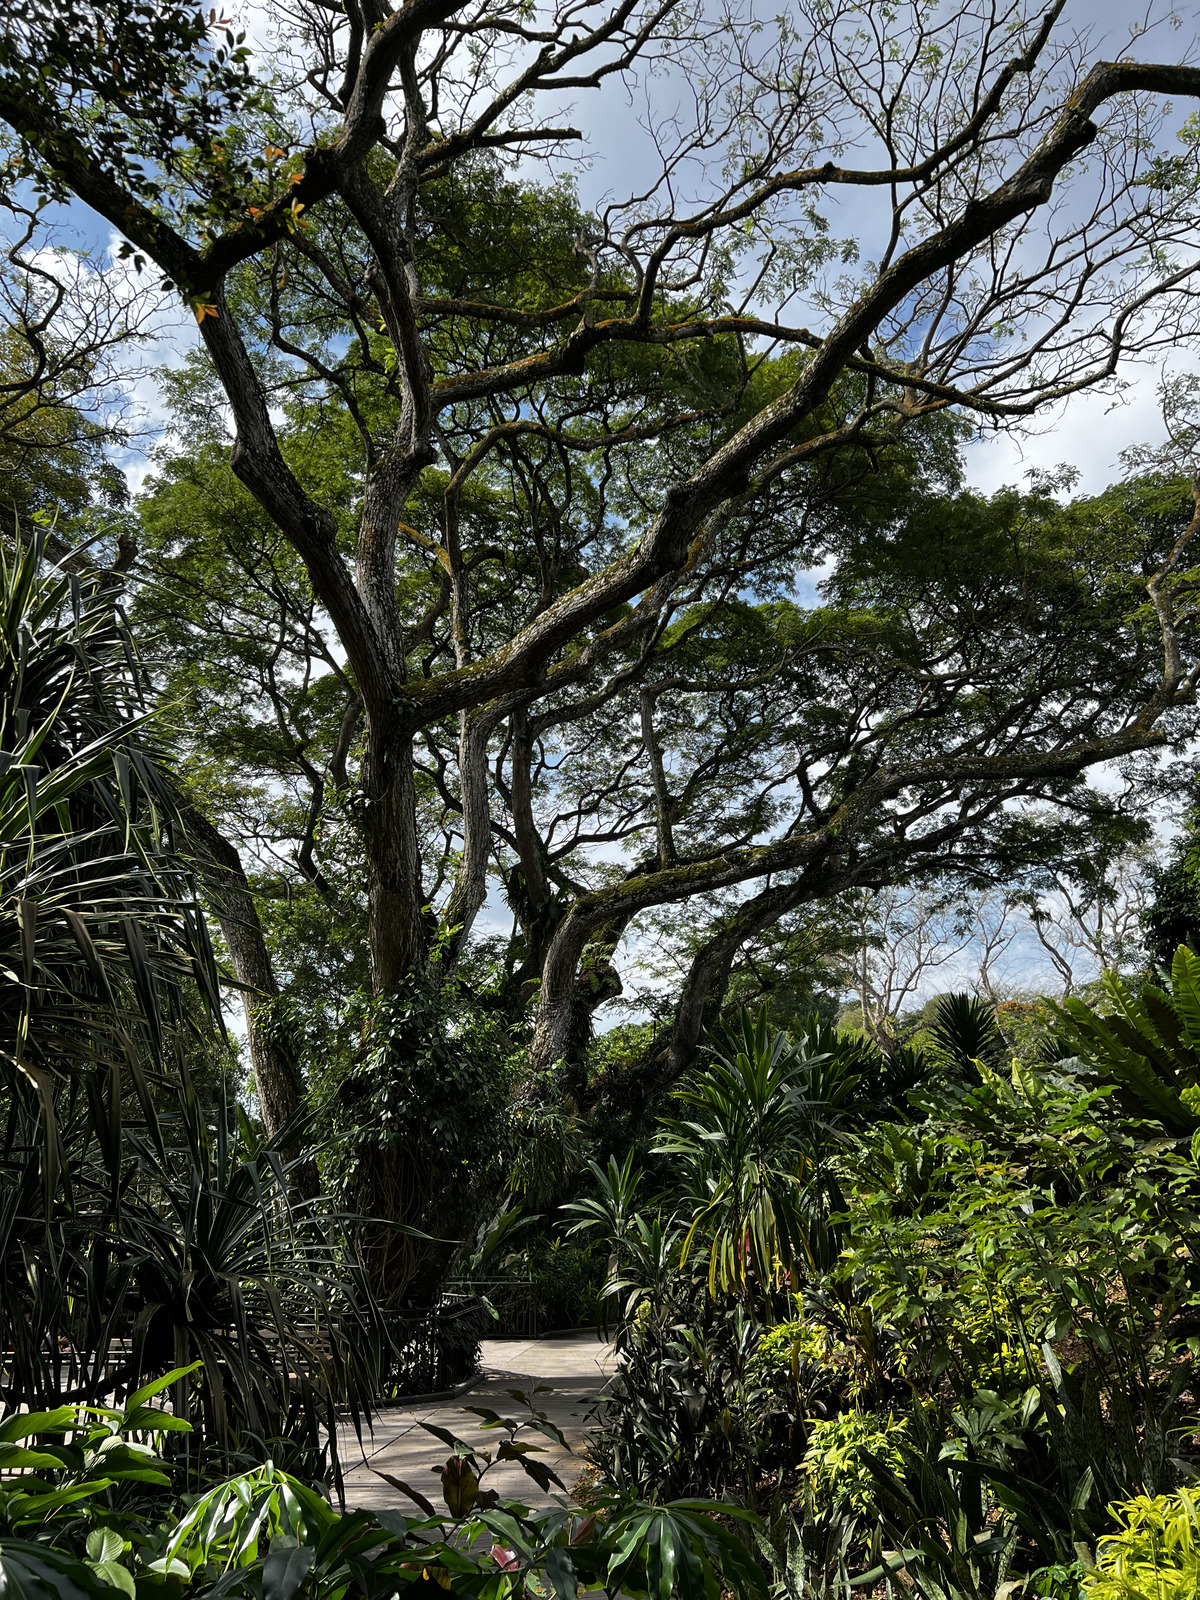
575, 1366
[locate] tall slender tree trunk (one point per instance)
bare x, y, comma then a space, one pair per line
272, 1056
389, 823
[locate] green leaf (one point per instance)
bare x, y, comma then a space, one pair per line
37, 1572
23, 1424
415, 1495
156, 1386
285, 1569
15, 1455
560, 1570
393, 1521
105, 1544
116, 1576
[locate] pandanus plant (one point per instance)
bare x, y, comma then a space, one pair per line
140, 1230
101, 933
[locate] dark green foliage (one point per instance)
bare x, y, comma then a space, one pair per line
1022, 1487
748, 1158
682, 1417
199, 1255
142, 1226
749, 1210
70, 1528
938, 1512
566, 1278
418, 1116
879, 1081
1146, 1044
964, 1031
1174, 916
1018, 1286
100, 930
132, 85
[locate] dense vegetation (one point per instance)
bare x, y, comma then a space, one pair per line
545, 613
950, 1330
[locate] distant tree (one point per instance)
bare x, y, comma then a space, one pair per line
1172, 915
70, 330
1089, 917
902, 936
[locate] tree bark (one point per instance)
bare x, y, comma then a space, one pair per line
393, 852
470, 884
708, 976
276, 1071
662, 794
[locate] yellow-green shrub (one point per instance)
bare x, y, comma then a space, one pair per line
834, 1465
1156, 1553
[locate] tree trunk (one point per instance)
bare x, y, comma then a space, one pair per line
708, 976
552, 1032
276, 1072
389, 823
470, 885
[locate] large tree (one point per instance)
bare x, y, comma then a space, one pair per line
586, 444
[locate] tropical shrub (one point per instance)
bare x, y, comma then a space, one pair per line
1155, 1553
416, 1110
142, 1228
101, 934
835, 1460
713, 1393
1015, 1285
750, 1161
1146, 1044
206, 1257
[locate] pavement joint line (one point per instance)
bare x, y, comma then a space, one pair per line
403, 1432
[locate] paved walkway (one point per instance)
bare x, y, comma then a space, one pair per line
575, 1367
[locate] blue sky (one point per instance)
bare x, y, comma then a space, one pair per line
1089, 432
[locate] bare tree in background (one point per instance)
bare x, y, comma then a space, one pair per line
904, 936
1088, 919
72, 339
994, 927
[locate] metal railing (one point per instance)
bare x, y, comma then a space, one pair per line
512, 1303
437, 1349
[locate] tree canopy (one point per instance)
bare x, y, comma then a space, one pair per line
617, 553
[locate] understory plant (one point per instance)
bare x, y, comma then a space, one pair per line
145, 1225
86, 1511
1154, 1554
991, 1347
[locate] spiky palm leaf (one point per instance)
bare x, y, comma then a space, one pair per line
100, 928
1147, 1045
965, 1031
133, 1242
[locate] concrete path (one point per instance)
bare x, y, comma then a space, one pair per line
575, 1367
